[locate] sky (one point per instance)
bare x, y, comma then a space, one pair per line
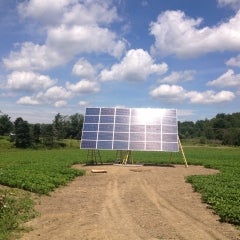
63, 56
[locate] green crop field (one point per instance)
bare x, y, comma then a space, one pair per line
41, 171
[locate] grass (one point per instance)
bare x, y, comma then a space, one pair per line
16, 207
41, 171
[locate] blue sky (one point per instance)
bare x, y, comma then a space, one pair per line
63, 56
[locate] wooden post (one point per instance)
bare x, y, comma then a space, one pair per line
128, 157
184, 158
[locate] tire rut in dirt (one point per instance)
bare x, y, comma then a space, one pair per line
186, 225
117, 218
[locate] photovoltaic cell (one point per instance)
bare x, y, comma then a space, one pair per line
90, 127
92, 111
122, 111
137, 128
106, 127
121, 128
122, 119
107, 111
144, 129
121, 136
120, 145
107, 119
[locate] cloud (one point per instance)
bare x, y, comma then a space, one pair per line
171, 93
177, 34
84, 86
228, 79
70, 28
175, 77
235, 4
60, 103
43, 10
27, 100
234, 62
137, 65
34, 57
210, 97
72, 40
175, 93
55, 95
69, 11
58, 95
83, 103
185, 112
28, 81
84, 69
91, 12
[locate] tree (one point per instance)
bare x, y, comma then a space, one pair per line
36, 133
47, 135
186, 129
22, 133
6, 126
75, 126
59, 124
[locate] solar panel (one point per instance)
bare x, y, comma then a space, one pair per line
145, 129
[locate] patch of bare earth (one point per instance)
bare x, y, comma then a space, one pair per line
129, 203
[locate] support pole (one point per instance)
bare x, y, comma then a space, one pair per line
95, 156
184, 158
128, 158
125, 156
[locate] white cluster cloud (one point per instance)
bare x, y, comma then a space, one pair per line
83, 103
28, 81
177, 34
234, 61
58, 95
210, 97
71, 28
137, 65
84, 86
69, 11
33, 57
168, 92
44, 11
72, 40
27, 100
228, 79
235, 4
175, 77
84, 69
174, 93
54, 95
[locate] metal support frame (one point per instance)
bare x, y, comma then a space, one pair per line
124, 156
94, 155
183, 155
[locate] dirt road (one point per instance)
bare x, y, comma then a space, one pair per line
129, 203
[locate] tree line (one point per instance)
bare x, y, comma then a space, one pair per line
26, 135
223, 128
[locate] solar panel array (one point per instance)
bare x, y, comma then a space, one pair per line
146, 129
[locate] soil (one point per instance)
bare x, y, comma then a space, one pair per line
129, 203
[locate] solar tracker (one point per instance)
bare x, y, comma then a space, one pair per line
145, 129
